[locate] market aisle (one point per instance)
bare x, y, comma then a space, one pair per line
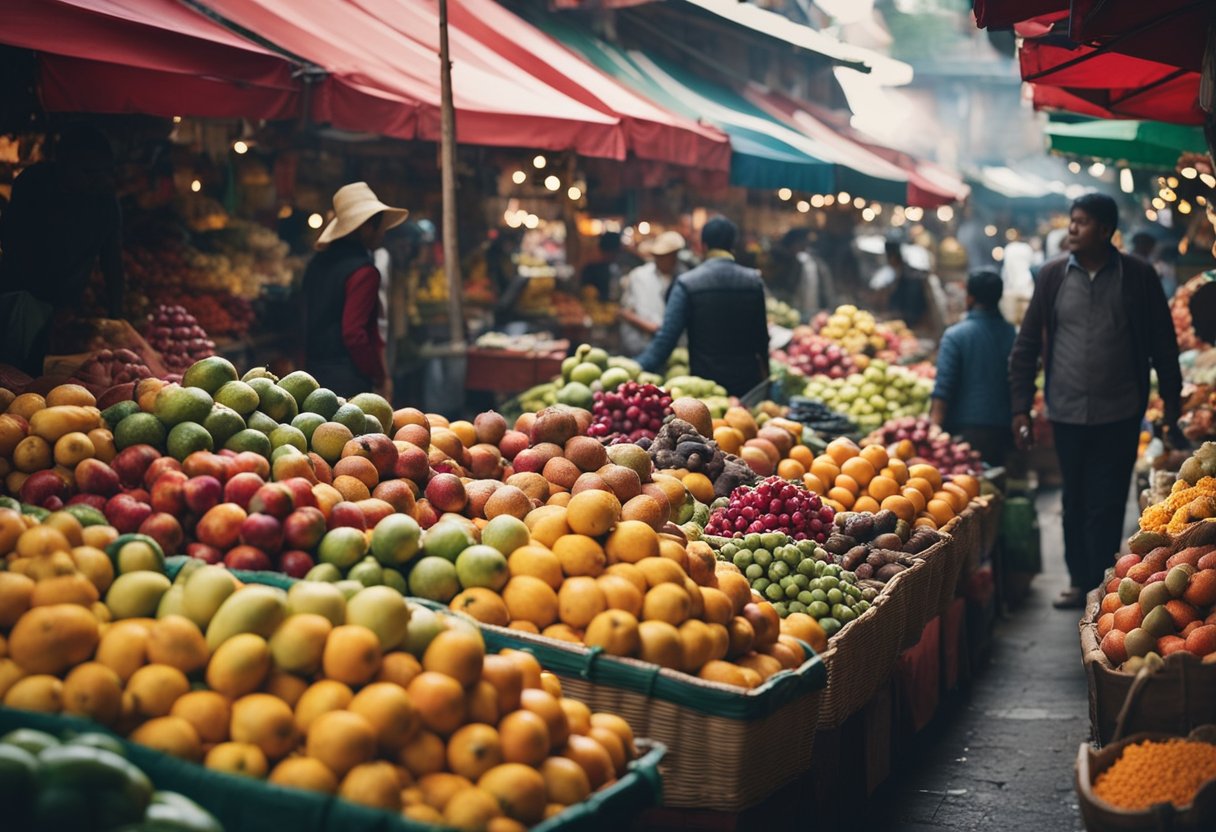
1003, 758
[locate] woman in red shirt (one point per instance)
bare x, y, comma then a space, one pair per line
343, 348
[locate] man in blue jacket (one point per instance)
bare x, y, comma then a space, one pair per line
971, 397
721, 304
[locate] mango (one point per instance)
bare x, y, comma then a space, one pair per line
53, 422
206, 589
382, 610
172, 602
136, 594
1154, 595
254, 609
323, 599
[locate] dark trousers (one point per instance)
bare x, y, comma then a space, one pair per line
1096, 463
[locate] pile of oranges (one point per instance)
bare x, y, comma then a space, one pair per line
874, 478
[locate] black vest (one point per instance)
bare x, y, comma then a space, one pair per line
727, 325
324, 290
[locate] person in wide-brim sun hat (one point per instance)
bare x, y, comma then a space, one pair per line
343, 347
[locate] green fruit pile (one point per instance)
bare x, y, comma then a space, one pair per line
872, 397
86, 782
798, 576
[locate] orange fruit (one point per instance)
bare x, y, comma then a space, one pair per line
580, 554
941, 511
593, 758
920, 484
812, 483
802, 455
961, 495
170, 735
546, 706
531, 599
848, 483
424, 754
94, 691
916, 498
437, 789
474, 749
580, 600
456, 653
924, 521
902, 507
372, 784
700, 487
209, 713
321, 697
265, 721
826, 469
790, 469
155, 687
341, 740
866, 503
352, 654
565, 781
927, 472
898, 469
859, 469
841, 449
473, 808
876, 455
968, 483
525, 737
304, 773
578, 715
239, 758
519, 790
440, 701
882, 487
399, 668
537, 562
390, 712
842, 497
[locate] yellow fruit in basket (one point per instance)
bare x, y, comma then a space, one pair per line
10, 674
960, 496
613, 745
103, 444
304, 773
519, 790
762, 664
94, 691
661, 571
531, 599
927, 472
240, 758
372, 784
594, 759
473, 750
440, 701
804, 627
73, 447
207, 711
579, 554
352, 654
471, 808
536, 562
124, 648
399, 668
550, 684
40, 692
620, 594
178, 642
341, 740
578, 715
876, 455
968, 483
631, 541
940, 510
239, 665
53, 638
924, 521
390, 712
26, 405
456, 653
170, 735
547, 707
565, 781
593, 512
616, 631
902, 507
659, 643
70, 394
666, 602
424, 754
579, 601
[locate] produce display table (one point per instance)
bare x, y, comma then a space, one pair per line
512, 371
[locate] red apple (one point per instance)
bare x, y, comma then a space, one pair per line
139, 494
293, 466
274, 499
205, 553
397, 493
347, 513
529, 460
512, 442
206, 464
227, 453
425, 513
262, 531
374, 510
95, 477
165, 530
158, 467
241, 487
168, 492
201, 493
295, 563
248, 559
324, 473
95, 500
374, 446
52, 503
220, 526
412, 463
301, 491
132, 463
126, 513
251, 462
304, 528
446, 492
40, 486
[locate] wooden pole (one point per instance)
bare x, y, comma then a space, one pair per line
447, 156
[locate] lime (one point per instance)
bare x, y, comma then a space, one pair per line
299, 384
249, 440
351, 416
308, 422
210, 374
322, 401
375, 405
186, 438
139, 429
175, 405
222, 422
288, 435
239, 396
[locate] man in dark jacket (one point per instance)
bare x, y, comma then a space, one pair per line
1098, 320
721, 304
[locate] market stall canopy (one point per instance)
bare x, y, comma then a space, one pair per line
148, 56
1170, 31
774, 25
1001, 14
651, 132
1151, 144
1121, 85
362, 44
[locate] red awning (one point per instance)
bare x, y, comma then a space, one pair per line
650, 131
1170, 31
997, 14
1123, 85
495, 104
148, 56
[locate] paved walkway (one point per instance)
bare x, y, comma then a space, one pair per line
1001, 754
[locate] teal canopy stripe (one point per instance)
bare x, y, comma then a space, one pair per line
1145, 144
765, 153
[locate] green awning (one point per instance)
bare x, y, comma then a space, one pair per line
1149, 144
765, 153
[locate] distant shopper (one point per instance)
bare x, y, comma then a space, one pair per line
971, 396
907, 299
1098, 320
797, 277
644, 292
63, 219
341, 294
721, 305
604, 272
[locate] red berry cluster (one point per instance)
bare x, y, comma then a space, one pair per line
631, 412
773, 505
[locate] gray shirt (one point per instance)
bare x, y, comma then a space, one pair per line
1092, 380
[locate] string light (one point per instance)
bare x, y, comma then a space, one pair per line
1097, 169
843, 197
196, 186
829, 200
859, 203
539, 162
1150, 215
784, 194
867, 214
1011, 234
574, 192
532, 221
817, 201
177, 119
1159, 203
1189, 172
897, 220
552, 182
240, 147
989, 230
1126, 183
1172, 181
1168, 195
945, 213
915, 214
519, 177
998, 253
315, 220
1184, 207
1074, 167
803, 206
643, 227
1208, 179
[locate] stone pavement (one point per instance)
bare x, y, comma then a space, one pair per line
1000, 755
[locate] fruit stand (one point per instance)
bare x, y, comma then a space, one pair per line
714, 580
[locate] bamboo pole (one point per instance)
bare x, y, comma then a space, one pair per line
447, 151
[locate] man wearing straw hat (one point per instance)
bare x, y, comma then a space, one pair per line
343, 347
644, 291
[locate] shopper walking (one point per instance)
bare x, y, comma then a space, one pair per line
644, 292
971, 395
908, 290
1098, 320
343, 347
721, 305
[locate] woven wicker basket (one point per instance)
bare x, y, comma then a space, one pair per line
727, 749
861, 657
990, 508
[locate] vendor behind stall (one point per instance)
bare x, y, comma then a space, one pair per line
63, 218
343, 347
